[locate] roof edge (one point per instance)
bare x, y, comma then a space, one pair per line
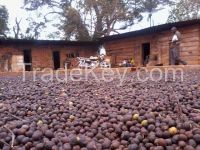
151, 30
47, 42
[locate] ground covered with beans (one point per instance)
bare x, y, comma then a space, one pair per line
99, 115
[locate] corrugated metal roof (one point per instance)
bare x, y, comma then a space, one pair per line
145, 31
151, 30
48, 42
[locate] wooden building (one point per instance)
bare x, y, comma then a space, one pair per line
40, 54
153, 42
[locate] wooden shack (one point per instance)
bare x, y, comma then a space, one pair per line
40, 54
153, 42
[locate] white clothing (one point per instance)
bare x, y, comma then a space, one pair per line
175, 38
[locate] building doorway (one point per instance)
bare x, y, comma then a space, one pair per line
145, 53
56, 60
27, 59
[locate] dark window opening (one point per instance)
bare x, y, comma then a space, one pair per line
145, 53
72, 55
77, 54
27, 59
56, 60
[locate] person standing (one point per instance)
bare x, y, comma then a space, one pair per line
175, 48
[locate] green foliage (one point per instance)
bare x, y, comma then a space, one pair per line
32, 32
184, 10
3, 21
91, 19
152, 6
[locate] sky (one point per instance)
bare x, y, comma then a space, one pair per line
15, 10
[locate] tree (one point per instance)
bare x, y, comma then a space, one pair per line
32, 32
91, 19
152, 6
3, 21
184, 10
16, 28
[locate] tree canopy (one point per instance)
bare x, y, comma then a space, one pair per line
3, 21
91, 19
33, 30
184, 10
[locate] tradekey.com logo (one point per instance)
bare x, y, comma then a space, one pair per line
106, 74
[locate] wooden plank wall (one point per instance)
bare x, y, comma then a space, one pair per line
132, 47
42, 55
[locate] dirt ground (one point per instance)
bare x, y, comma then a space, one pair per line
87, 112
